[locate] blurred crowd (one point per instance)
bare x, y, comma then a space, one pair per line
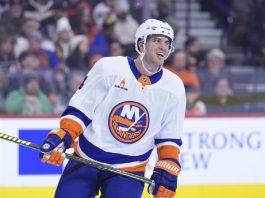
48, 46
243, 23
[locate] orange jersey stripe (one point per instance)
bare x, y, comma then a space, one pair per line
73, 127
138, 168
168, 151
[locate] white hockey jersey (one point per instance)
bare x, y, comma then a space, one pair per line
120, 120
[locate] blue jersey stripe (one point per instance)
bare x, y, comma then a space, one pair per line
100, 155
133, 67
154, 78
177, 141
77, 113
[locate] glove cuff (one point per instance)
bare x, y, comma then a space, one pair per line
168, 166
64, 135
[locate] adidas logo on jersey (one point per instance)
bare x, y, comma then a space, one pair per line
122, 85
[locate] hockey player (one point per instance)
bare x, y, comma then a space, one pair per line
122, 110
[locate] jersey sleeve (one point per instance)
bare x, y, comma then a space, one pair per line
168, 140
84, 102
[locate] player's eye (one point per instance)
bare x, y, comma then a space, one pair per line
167, 43
156, 39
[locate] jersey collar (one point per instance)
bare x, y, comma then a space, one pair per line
154, 78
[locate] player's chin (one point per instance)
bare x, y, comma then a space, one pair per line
160, 60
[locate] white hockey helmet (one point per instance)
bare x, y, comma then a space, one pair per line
150, 27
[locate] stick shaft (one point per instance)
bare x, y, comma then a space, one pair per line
79, 159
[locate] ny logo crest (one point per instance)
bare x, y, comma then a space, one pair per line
128, 121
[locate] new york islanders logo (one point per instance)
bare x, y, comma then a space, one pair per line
128, 121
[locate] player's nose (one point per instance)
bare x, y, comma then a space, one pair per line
163, 46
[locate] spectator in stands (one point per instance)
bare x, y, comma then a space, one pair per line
102, 11
214, 69
116, 49
104, 37
71, 9
64, 35
47, 59
194, 107
3, 6
29, 26
26, 29
6, 48
3, 89
180, 67
65, 84
193, 49
29, 100
29, 63
14, 15
78, 57
6, 71
223, 100
226, 101
125, 25
60, 95
137, 7
43, 12
83, 22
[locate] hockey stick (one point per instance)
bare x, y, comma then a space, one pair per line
80, 160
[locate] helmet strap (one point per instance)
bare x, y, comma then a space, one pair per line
145, 68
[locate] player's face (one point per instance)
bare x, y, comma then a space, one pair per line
157, 48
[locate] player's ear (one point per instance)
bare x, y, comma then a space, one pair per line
140, 45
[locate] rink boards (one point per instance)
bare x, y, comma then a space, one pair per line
221, 157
